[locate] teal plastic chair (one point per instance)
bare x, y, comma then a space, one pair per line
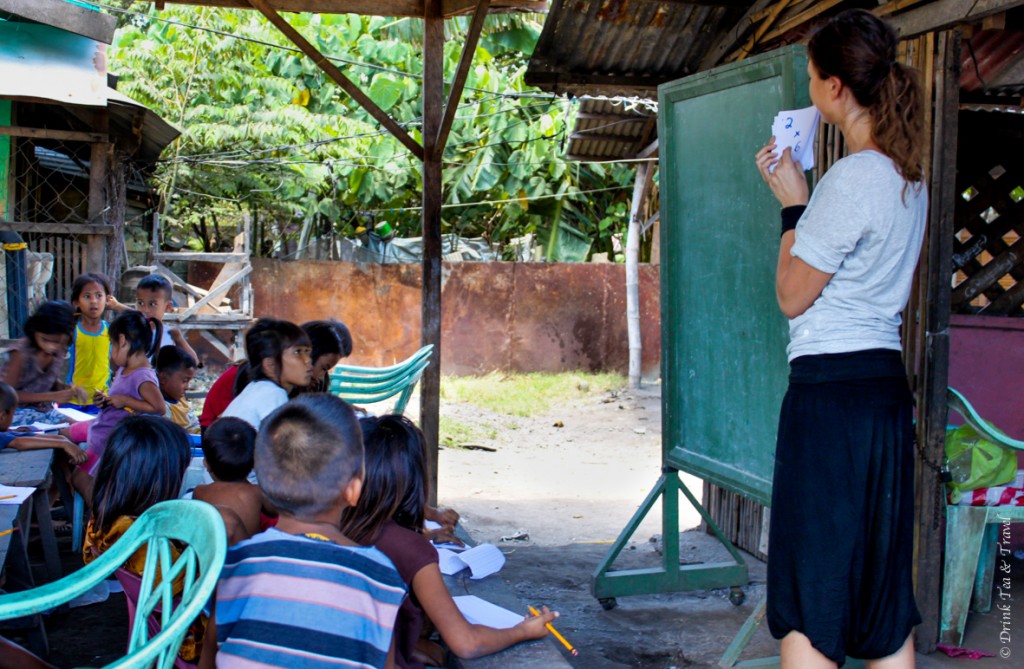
366, 385
195, 524
971, 540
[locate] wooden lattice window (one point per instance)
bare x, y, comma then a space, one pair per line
988, 253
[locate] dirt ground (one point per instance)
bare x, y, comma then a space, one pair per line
565, 484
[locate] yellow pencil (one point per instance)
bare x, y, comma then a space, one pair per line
6, 532
551, 628
8, 497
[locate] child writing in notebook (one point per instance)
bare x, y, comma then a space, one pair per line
135, 389
389, 515
89, 366
303, 589
32, 365
31, 441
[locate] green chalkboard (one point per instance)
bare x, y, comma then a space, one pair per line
723, 338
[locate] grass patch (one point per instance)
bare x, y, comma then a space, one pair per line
454, 433
526, 394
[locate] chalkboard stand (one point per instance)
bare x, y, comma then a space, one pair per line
607, 583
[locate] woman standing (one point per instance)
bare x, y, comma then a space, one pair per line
841, 538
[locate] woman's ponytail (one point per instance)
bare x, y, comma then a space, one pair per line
899, 121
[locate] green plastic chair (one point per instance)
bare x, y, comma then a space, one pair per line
195, 524
366, 385
971, 540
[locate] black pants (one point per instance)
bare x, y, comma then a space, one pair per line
840, 552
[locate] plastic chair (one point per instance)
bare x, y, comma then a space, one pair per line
971, 540
366, 385
195, 524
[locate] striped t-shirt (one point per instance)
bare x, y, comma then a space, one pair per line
291, 601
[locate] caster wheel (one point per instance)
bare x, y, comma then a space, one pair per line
737, 596
608, 603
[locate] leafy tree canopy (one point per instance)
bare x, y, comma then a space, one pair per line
265, 132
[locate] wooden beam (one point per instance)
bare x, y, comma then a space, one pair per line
219, 290
452, 8
649, 151
433, 99
99, 198
943, 14
59, 228
59, 14
728, 39
932, 408
173, 256
461, 73
750, 44
363, 7
334, 73
47, 133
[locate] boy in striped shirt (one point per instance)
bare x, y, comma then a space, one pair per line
302, 595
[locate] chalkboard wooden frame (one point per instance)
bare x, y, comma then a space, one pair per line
723, 337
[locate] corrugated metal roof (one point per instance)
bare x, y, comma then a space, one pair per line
993, 61
611, 129
625, 47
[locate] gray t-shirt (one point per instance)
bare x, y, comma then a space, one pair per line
858, 228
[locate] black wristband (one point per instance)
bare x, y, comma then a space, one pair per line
791, 216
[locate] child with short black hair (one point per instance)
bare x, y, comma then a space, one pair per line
31, 441
229, 451
154, 297
32, 366
330, 341
175, 369
279, 360
309, 458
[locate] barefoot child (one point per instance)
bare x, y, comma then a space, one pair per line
228, 450
175, 369
32, 365
31, 441
304, 589
389, 515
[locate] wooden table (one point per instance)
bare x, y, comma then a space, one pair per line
32, 469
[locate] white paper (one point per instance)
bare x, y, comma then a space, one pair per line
482, 612
48, 427
482, 561
796, 129
432, 525
14, 495
75, 414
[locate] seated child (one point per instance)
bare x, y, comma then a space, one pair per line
144, 463
30, 441
228, 447
304, 589
389, 515
135, 389
278, 353
89, 366
176, 368
32, 366
330, 341
154, 297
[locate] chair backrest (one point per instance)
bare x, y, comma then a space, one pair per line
366, 385
197, 526
132, 586
959, 403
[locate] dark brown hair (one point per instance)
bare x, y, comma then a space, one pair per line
860, 49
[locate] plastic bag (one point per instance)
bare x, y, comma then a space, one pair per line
975, 462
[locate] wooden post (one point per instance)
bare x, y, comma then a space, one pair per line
644, 172
433, 101
98, 166
935, 368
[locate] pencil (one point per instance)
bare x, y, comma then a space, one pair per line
551, 628
6, 532
8, 497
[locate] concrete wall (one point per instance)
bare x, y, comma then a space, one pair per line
986, 364
520, 317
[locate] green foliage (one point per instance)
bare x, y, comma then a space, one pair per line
265, 132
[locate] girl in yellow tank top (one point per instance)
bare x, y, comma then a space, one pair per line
90, 347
